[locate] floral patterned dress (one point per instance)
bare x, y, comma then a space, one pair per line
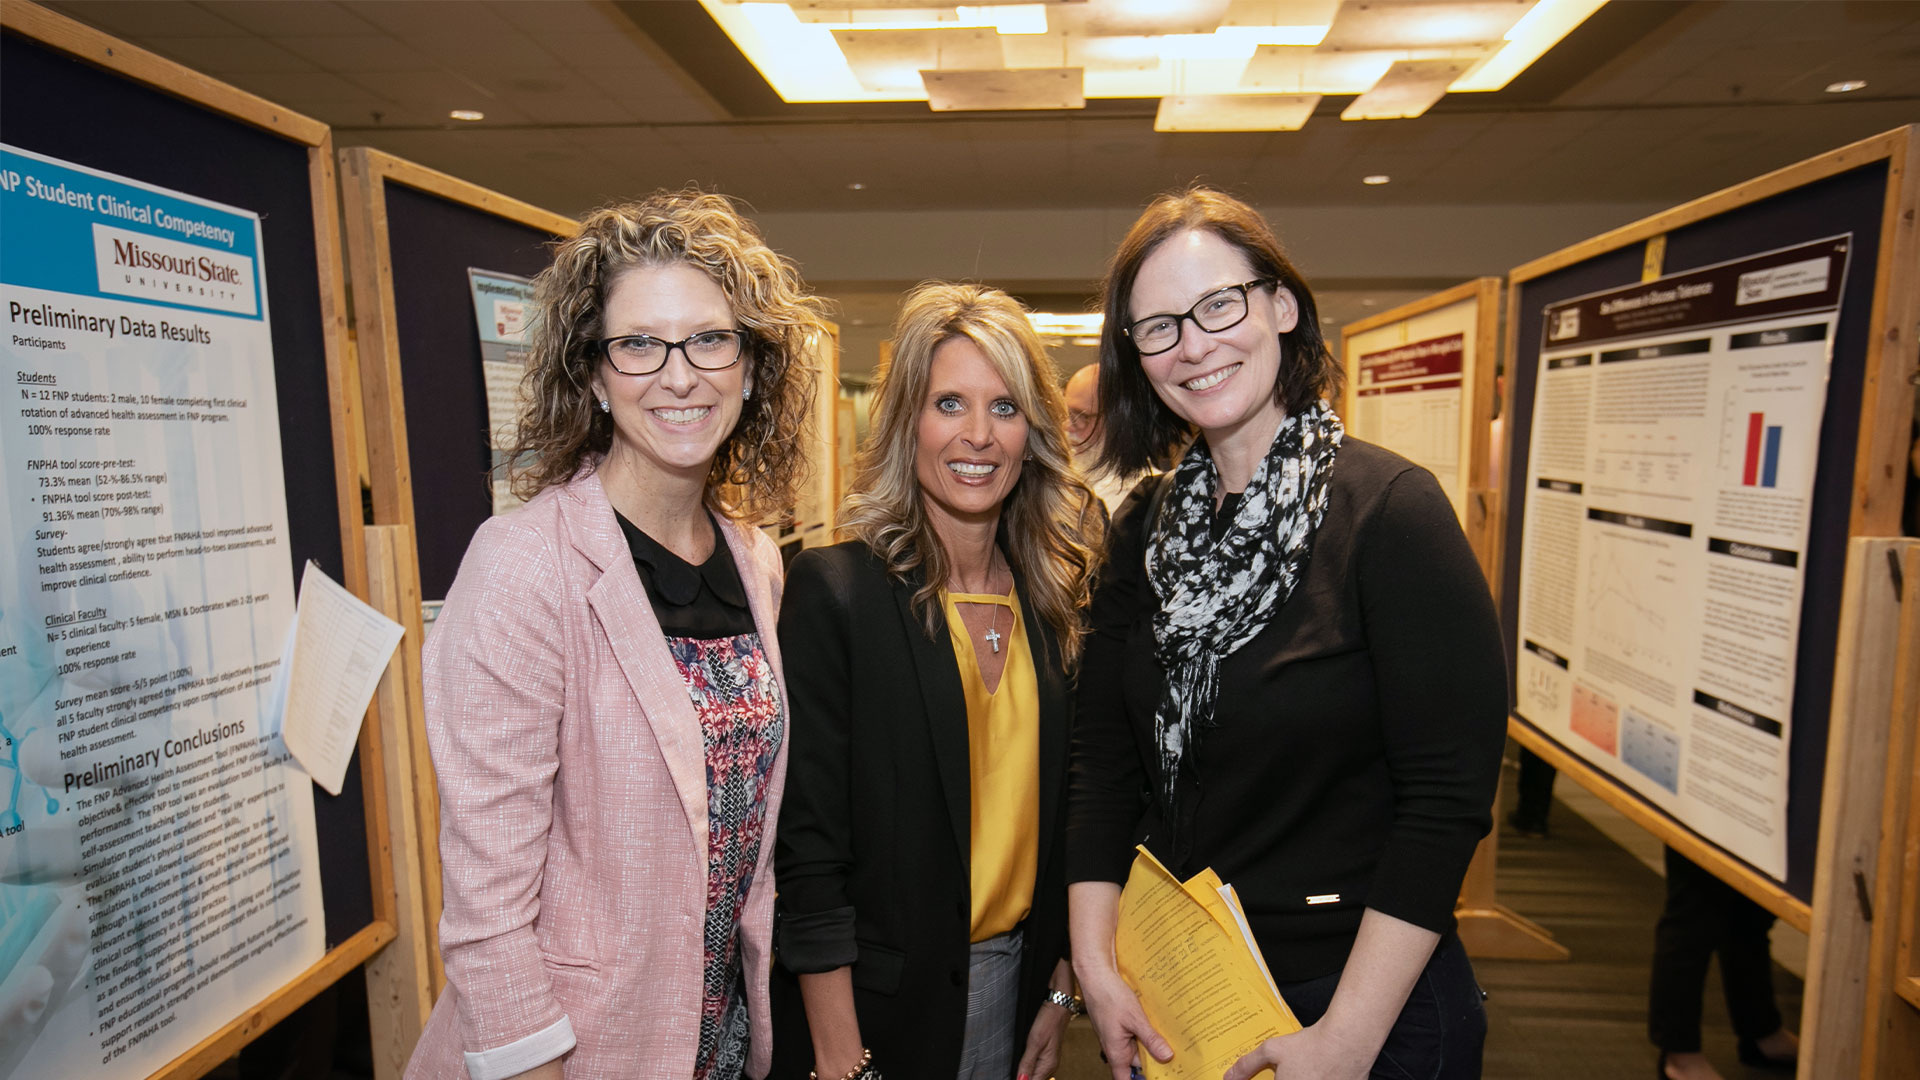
711, 634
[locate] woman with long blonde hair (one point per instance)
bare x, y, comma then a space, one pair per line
603, 690
922, 910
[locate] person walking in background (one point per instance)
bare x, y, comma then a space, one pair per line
1705, 917
603, 690
1534, 795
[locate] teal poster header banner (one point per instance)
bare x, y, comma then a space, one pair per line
85, 234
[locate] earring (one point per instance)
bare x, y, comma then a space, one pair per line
605, 405
746, 392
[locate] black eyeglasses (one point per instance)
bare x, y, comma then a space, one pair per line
1221, 309
643, 354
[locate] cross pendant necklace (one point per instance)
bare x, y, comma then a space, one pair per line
992, 636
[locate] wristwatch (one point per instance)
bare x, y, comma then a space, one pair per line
1066, 1001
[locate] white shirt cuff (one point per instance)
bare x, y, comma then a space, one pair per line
522, 1054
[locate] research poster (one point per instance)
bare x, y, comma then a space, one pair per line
158, 867
502, 306
1410, 381
1676, 429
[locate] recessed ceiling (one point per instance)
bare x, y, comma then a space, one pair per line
587, 101
1647, 104
874, 50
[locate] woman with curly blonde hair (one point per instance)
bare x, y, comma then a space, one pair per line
922, 903
603, 688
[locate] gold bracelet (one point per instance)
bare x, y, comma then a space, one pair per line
866, 1059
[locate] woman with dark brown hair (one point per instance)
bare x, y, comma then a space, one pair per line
603, 688
1293, 675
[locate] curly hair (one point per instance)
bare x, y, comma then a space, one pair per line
1140, 428
1051, 524
757, 469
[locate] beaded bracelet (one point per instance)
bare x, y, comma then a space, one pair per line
862, 1069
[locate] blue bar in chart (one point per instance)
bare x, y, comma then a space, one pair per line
1770, 470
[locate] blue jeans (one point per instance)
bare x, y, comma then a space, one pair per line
1441, 1029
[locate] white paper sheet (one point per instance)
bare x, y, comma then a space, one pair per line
340, 648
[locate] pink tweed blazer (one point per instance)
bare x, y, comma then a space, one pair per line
573, 804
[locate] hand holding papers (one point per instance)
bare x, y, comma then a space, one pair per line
1187, 953
340, 647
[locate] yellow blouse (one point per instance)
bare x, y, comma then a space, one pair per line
1003, 758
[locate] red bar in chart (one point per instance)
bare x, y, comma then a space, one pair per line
1756, 423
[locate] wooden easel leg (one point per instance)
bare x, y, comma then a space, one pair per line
1500, 933
1489, 929
399, 978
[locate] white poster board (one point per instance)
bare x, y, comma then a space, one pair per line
1410, 386
1669, 485
159, 873
502, 311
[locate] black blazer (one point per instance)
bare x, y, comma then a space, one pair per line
872, 852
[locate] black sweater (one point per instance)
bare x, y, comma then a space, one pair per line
1356, 742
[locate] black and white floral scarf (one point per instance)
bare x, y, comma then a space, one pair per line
1215, 596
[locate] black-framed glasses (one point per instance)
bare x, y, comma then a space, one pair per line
644, 354
1221, 309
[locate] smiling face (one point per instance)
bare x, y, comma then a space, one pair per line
971, 437
1221, 382
670, 424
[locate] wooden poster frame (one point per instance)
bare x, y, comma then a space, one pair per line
818, 508
1478, 383
364, 176
1488, 928
1865, 722
404, 983
139, 66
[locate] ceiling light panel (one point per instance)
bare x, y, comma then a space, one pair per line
875, 11
1132, 53
1023, 88
1280, 13
1171, 77
1014, 20
1154, 17
1204, 47
799, 60
1422, 24
1065, 324
1282, 69
1234, 112
1408, 89
1528, 40
891, 60
816, 51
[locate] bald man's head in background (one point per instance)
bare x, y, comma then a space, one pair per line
1083, 413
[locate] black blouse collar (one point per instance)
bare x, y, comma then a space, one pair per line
676, 581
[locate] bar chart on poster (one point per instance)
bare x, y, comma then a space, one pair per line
1675, 433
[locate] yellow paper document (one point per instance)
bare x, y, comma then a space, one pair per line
1186, 951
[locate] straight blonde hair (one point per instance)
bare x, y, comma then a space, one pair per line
1050, 525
